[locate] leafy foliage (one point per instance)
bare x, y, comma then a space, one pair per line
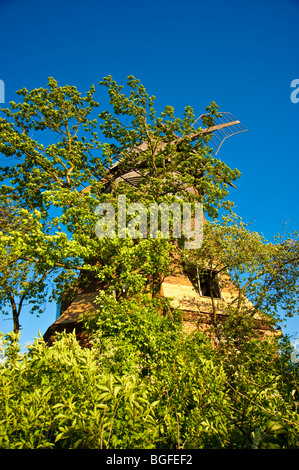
60, 397
142, 382
59, 152
264, 275
159, 389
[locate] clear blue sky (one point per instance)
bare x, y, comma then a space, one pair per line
241, 54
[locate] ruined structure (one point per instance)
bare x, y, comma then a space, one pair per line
190, 295
189, 292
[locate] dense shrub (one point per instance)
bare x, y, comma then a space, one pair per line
145, 384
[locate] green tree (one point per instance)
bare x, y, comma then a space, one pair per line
143, 382
263, 275
22, 280
62, 153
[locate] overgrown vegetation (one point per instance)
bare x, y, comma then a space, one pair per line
142, 383
145, 384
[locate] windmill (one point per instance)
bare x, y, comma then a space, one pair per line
194, 302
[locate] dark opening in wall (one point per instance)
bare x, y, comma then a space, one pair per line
205, 282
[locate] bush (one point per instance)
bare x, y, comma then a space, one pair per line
60, 397
145, 384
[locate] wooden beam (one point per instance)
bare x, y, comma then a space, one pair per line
208, 130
